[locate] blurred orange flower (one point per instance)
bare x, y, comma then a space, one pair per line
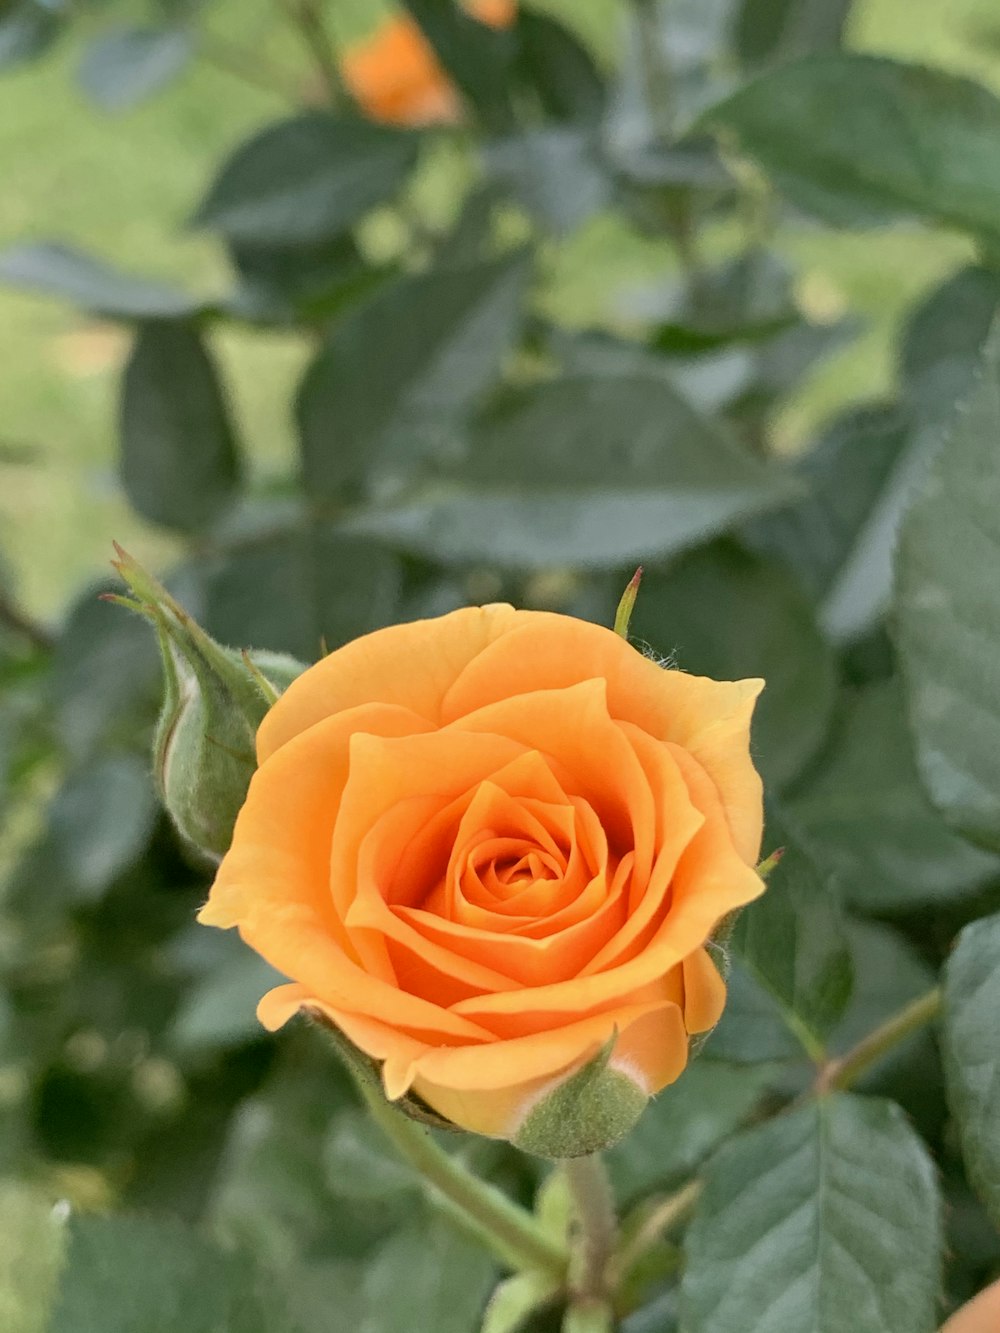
394, 75
980, 1316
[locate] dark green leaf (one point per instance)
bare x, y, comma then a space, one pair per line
792, 942
948, 615
296, 589
478, 57
743, 300
554, 173
306, 180
888, 974
220, 1008
589, 470
285, 285
360, 1164
720, 612
558, 68
27, 30
125, 65
858, 139
416, 356
866, 816
753, 1027
125, 1274
71, 275
826, 1219
101, 821
771, 30
943, 344
179, 463
972, 1053
684, 1123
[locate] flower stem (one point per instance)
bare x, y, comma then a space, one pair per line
844, 1071
667, 1214
597, 1225
308, 17
505, 1228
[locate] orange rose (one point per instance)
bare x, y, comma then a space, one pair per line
980, 1316
488, 846
395, 76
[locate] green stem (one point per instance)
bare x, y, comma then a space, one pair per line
667, 1214
309, 19
596, 1225
844, 1071
505, 1228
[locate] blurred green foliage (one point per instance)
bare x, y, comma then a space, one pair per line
632, 307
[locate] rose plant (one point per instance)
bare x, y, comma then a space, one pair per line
514, 1031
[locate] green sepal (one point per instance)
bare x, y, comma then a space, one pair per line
518, 1300
592, 1110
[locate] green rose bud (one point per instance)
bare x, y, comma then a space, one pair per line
214, 700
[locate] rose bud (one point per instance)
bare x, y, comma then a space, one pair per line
491, 850
214, 701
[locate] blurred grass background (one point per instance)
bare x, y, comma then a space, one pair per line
123, 185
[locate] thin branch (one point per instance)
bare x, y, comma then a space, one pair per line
844, 1071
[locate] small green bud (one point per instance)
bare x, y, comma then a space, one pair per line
214, 700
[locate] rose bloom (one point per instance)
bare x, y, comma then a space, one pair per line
980, 1316
486, 846
394, 75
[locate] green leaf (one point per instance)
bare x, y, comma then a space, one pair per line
948, 615
123, 1274
101, 821
126, 64
27, 31
772, 30
180, 464
306, 180
360, 1164
826, 1219
219, 1009
971, 1039
858, 139
518, 1301
295, 589
418, 354
558, 69
31, 1246
888, 974
71, 275
588, 470
866, 816
792, 942
478, 57
553, 172
286, 284
745, 299
723, 613
684, 1123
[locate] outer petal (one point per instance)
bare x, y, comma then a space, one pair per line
411, 666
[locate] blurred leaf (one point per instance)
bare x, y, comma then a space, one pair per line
296, 589
745, 299
101, 821
843, 521
554, 173
287, 284
866, 816
123, 1274
359, 1163
752, 1029
858, 139
220, 1008
772, 30
306, 180
27, 30
125, 65
31, 1246
478, 57
723, 613
948, 615
106, 675
943, 343
972, 1053
558, 68
584, 470
792, 942
888, 974
825, 1218
684, 1123
71, 275
419, 353
180, 464
426, 1276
